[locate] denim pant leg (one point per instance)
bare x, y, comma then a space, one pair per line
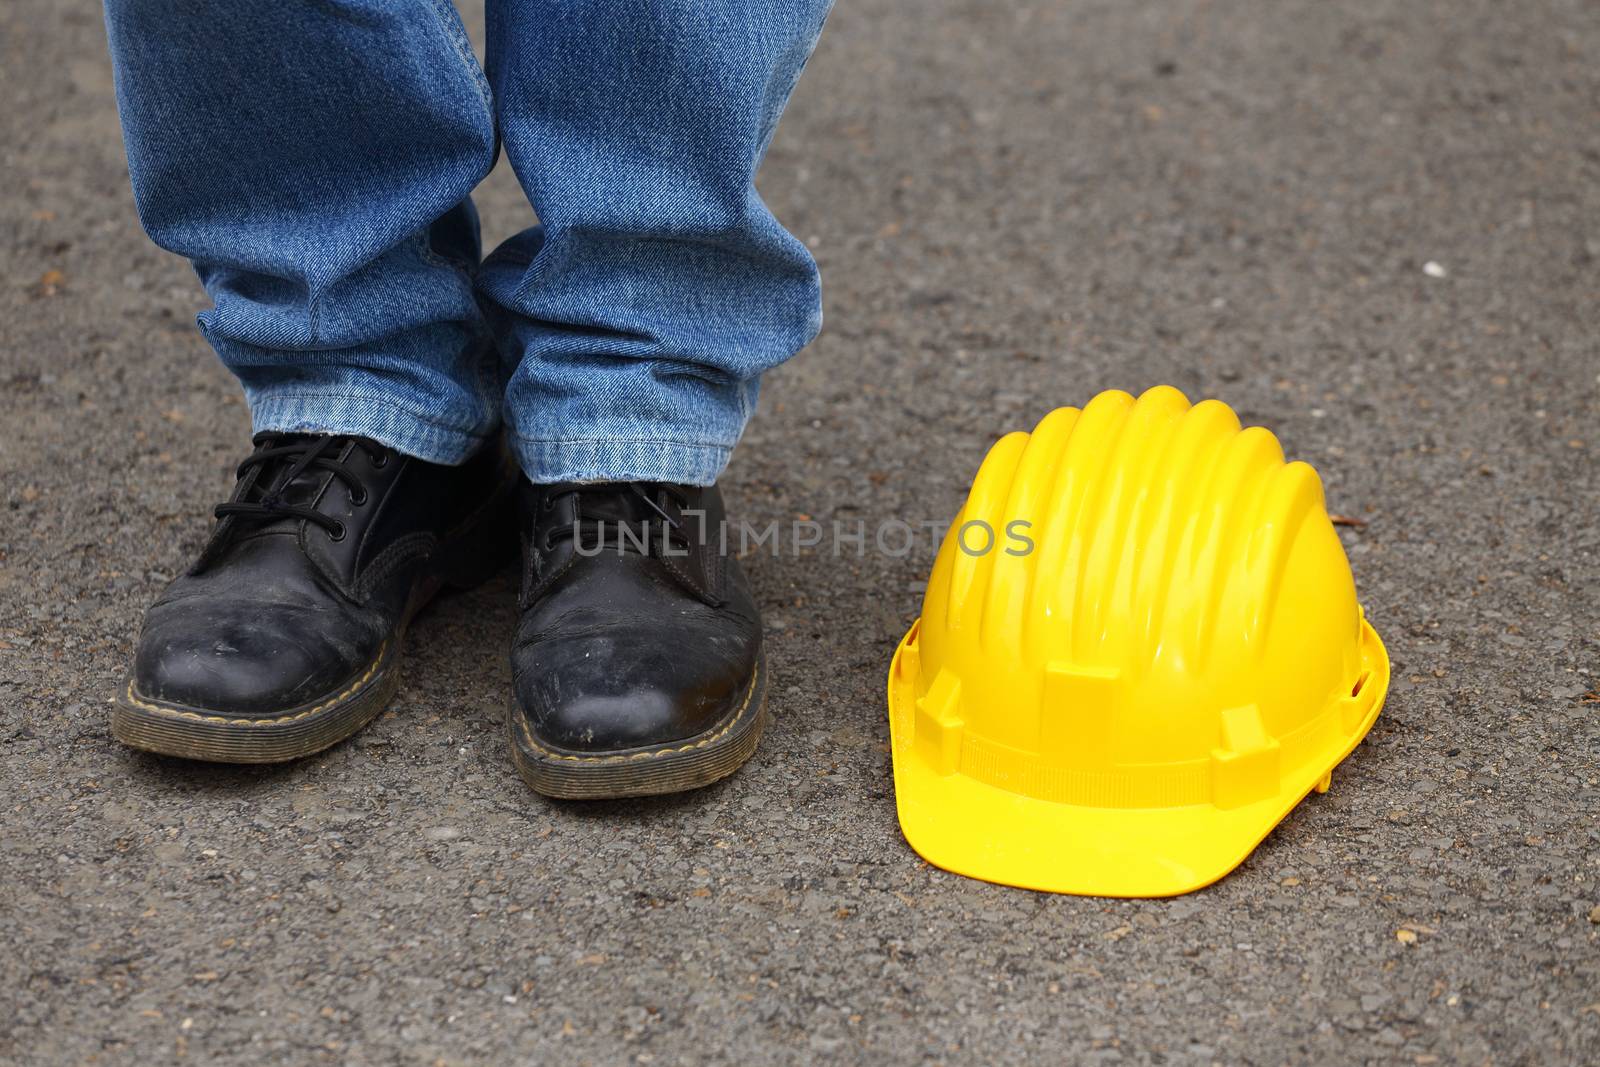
638, 318
313, 160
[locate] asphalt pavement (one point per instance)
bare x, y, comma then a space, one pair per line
1372, 227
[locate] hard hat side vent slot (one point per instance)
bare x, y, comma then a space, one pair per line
1356, 706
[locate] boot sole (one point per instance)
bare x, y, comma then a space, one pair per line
676, 767
200, 734
216, 736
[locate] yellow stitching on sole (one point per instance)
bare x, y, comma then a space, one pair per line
225, 721
527, 735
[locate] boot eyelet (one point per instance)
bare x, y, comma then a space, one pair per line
337, 533
381, 460
358, 497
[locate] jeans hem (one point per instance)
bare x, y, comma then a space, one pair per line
620, 459
386, 422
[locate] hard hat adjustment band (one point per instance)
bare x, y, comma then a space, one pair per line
1229, 778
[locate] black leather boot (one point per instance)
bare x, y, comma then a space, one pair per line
637, 664
284, 637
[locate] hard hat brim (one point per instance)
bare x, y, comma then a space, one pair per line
981, 831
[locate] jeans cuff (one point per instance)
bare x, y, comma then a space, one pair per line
611, 459
383, 420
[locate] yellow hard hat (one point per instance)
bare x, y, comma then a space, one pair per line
1139, 648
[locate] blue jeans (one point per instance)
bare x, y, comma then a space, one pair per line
315, 159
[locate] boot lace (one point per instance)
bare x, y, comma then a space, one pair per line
301, 453
595, 532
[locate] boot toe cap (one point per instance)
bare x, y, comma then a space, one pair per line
267, 662
622, 692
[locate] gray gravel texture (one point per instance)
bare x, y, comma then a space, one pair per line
1015, 205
